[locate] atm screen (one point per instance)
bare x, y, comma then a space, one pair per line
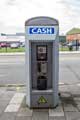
41, 52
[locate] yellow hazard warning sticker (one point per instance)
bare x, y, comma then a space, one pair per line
42, 100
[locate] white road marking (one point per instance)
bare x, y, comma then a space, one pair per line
15, 103
61, 83
12, 108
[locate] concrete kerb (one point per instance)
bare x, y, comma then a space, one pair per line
69, 52
12, 54
12, 85
23, 53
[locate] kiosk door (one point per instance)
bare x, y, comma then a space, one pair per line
41, 65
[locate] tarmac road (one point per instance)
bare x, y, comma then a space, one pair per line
12, 69
69, 68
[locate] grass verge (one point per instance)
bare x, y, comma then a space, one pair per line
22, 49
9, 50
64, 49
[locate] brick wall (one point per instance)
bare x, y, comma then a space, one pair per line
72, 37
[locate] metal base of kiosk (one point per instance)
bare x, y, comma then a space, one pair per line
42, 99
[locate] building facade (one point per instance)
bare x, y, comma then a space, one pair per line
73, 35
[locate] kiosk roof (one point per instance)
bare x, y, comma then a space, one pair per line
41, 21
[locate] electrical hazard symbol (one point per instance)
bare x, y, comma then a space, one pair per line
42, 100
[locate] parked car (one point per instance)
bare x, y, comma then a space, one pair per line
22, 44
4, 44
70, 44
14, 45
0, 45
73, 45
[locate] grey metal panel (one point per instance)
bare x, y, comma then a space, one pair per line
33, 66
56, 69
27, 73
42, 20
48, 97
50, 62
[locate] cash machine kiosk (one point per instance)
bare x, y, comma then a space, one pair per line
42, 62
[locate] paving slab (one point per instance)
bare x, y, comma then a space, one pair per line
69, 108
8, 116
78, 106
77, 103
58, 111
15, 102
19, 95
64, 88
40, 110
3, 106
72, 115
40, 115
74, 90
4, 103
12, 108
23, 118
25, 112
6, 96
57, 118
77, 99
65, 95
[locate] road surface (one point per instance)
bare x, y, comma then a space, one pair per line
12, 69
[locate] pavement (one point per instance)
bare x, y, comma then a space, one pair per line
13, 104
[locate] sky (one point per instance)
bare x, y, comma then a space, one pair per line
14, 13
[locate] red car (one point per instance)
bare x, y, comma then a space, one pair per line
4, 45
0, 45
